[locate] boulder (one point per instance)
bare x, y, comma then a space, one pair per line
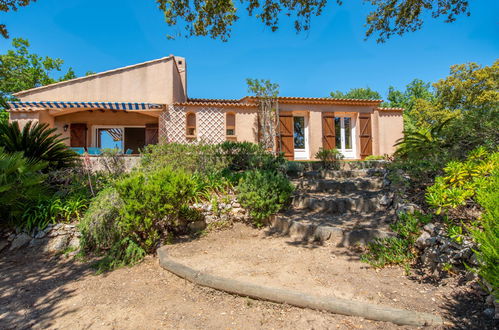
3, 244
74, 243
197, 226
20, 241
423, 240
57, 244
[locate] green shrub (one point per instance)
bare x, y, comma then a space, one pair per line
192, 158
243, 156
461, 180
487, 233
330, 158
396, 250
374, 157
141, 211
152, 204
37, 142
263, 193
21, 183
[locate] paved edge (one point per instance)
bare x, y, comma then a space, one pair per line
295, 298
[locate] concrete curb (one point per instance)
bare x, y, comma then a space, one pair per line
295, 298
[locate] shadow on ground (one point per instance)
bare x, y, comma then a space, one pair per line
32, 285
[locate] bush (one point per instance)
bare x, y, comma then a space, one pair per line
462, 180
141, 211
190, 158
243, 156
37, 142
20, 184
396, 250
263, 193
330, 158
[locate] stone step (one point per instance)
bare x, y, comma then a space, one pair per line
365, 202
344, 186
348, 230
344, 174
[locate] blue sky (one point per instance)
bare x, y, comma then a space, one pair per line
92, 35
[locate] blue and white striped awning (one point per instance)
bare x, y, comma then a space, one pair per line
86, 105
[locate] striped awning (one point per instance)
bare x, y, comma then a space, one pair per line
86, 105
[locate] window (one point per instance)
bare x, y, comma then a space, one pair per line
230, 124
191, 124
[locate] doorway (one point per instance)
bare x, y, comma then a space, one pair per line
345, 135
300, 137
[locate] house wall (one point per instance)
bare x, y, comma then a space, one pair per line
153, 82
390, 129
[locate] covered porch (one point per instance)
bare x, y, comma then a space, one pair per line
93, 126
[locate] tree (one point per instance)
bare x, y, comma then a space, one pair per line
21, 70
11, 5
215, 18
266, 93
357, 93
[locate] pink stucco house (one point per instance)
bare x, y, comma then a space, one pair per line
147, 103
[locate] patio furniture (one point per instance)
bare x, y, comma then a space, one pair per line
128, 152
78, 150
94, 151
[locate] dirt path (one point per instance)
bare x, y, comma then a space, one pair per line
60, 293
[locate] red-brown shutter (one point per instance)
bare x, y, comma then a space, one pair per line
78, 135
286, 133
328, 131
151, 134
366, 141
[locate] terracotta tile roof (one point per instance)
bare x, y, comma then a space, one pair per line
389, 109
248, 101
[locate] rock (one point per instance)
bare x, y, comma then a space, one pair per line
238, 210
236, 205
11, 237
20, 241
38, 242
407, 208
385, 200
490, 300
489, 312
197, 226
41, 234
423, 240
3, 244
57, 244
74, 243
429, 228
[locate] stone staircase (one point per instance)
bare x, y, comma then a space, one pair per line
347, 207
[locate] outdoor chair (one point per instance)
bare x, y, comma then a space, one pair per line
128, 152
94, 151
78, 150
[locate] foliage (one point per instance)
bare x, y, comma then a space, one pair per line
266, 94
462, 180
243, 156
11, 5
396, 250
374, 157
330, 158
487, 234
21, 70
263, 193
112, 162
215, 18
52, 210
192, 158
37, 142
357, 93
20, 184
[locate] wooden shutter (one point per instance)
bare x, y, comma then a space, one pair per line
366, 140
286, 144
78, 135
151, 134
328, 131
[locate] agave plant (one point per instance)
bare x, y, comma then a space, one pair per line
37, 142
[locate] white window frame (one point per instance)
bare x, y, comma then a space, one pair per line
347, 153
301, 154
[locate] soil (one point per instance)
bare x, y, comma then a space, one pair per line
60, 292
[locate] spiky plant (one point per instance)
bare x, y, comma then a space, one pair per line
20, 183
37, 142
